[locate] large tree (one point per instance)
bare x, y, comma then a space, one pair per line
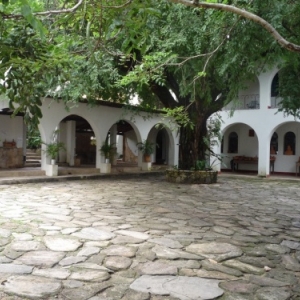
190, 59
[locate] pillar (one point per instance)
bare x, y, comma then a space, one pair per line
263, 154
71, 141
113, 142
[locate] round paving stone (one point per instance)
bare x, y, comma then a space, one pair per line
118, 263
239, 286
32, 287
157, 268
166, 242
41, 258
62, 243
182, 287
94, 234
118, 250
26, 245
90, 275
216, 251
272, 293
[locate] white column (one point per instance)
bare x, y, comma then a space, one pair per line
70, 141
214, 162
174, 153
63, 139
263, 154
265, 81
113, 141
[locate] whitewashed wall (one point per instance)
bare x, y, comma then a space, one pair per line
264, 121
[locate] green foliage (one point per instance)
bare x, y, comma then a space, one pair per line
53, 148
180, 116
34, 140
147, 147
107, 149
200, 165
179, 57
289, 89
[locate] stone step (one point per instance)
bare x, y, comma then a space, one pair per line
77, 171
32, 151
32, 164
33, 156
22, 172
118, 169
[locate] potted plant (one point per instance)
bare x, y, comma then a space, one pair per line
52, 150
107, 150
147, 149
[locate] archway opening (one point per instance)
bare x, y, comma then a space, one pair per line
161, 137
274, 144
289, 143
161, 151
122, 134
83, 148
240, 149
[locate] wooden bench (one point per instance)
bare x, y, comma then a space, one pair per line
249, 161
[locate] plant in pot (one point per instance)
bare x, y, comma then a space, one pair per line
52, 150
107, 150
147, 149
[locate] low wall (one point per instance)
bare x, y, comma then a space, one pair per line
186, 176
11, 158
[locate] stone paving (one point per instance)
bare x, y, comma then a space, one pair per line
143, 238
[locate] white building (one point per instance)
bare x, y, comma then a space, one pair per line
257, 131
84, 128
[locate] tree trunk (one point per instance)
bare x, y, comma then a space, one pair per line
192, 146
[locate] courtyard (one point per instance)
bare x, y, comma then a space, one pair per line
143, 238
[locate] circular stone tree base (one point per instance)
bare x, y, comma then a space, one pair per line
187, 176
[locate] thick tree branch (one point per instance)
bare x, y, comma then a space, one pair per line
46, 13
62, 11
248, 15
164, 95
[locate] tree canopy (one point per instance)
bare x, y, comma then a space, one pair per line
184, 57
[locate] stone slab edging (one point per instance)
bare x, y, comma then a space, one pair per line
191, 177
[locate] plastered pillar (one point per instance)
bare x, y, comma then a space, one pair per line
263, 155
70, 141
113, 142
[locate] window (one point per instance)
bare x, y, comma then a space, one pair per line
233, 141
289, 143
274, 144
275, 86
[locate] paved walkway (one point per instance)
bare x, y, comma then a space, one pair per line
142, 238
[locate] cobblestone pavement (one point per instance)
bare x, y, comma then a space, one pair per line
147, 239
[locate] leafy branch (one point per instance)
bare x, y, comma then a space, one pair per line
246, 14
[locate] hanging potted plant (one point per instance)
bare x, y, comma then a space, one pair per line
147, 149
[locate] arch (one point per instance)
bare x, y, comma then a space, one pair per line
274, 144
286, 163
275, 89
289, 143
126, 136
275, 86
101, 118
78, 128
129, 122
239, 140
161, 135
